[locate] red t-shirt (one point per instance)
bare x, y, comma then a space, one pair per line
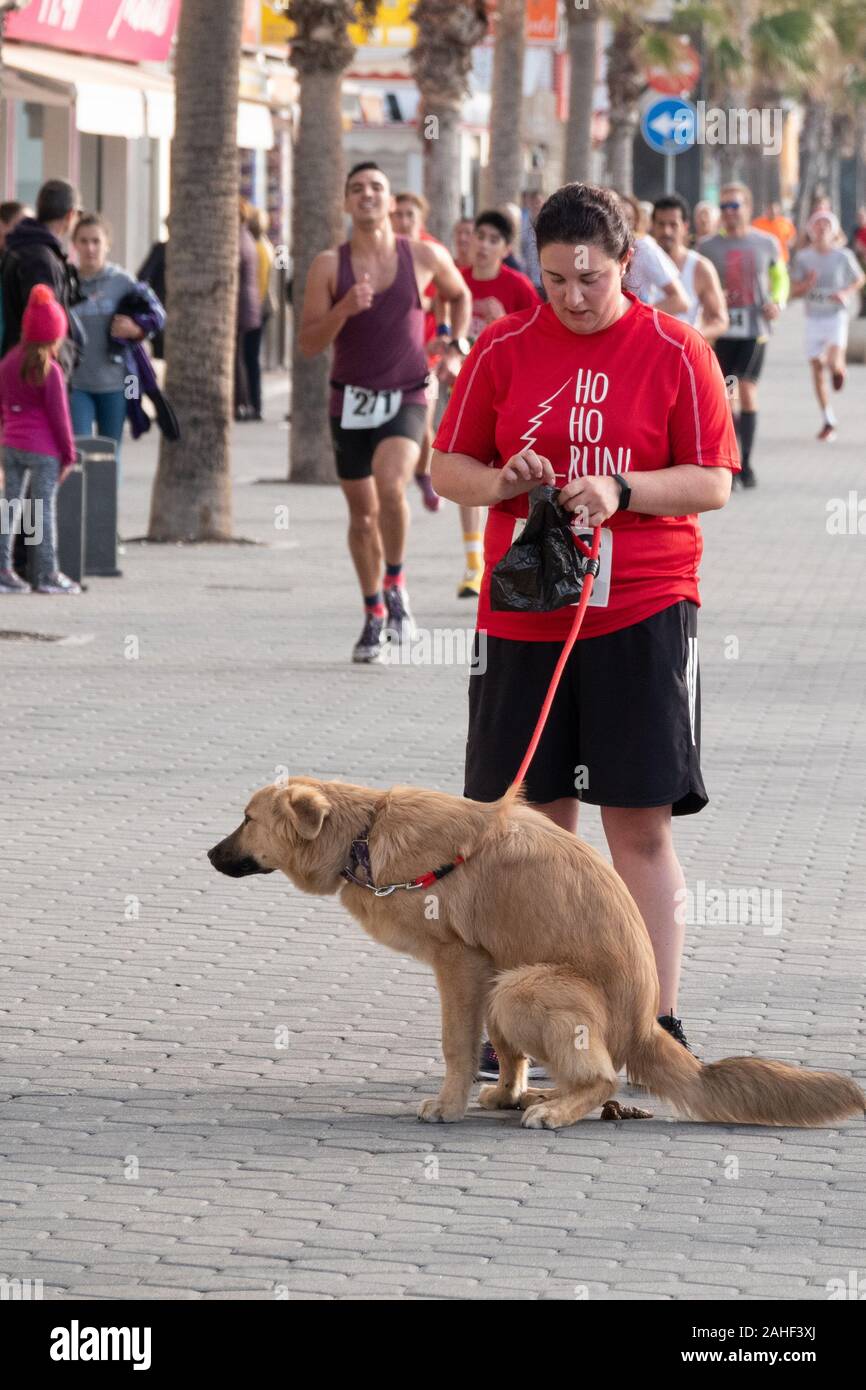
643, 394
513, 290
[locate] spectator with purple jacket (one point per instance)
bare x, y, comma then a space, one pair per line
249, 317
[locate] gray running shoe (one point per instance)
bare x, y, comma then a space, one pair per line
58, 584
400, 624
11, 584
371, 644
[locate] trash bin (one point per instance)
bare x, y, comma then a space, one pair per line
71, 524
99, 461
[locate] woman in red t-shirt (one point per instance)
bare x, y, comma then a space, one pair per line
625, 410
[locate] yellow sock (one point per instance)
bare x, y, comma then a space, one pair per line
473, 544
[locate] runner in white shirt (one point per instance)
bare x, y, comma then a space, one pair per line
707, 310
825, 274
652, 275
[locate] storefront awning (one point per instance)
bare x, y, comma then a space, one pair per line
110, 98
116, 98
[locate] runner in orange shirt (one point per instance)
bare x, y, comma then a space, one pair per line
778, 225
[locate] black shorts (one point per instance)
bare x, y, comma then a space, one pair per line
625, 726
354, 449
740, 357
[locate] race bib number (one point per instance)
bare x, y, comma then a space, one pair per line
366, 410
739, 324
601, 588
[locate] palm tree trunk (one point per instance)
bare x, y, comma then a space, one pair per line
812, 135
624, 83
442, 166
441, 62
504, 178
860, 156
317, 223
763, 170
583, 31
191, 497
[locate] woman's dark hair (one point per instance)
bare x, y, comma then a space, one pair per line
581, 213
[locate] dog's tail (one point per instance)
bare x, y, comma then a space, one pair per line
741, 1090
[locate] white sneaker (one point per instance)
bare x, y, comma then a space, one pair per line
58, 584
11, 584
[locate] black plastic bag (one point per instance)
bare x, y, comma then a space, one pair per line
543, 569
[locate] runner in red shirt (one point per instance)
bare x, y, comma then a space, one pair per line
625, 409
496, 289
407, 218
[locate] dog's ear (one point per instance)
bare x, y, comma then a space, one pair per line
304, 808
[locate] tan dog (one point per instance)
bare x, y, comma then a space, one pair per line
534, 932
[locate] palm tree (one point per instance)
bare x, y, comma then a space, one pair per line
835, 106
505, 168
441, 60
788, 47
321, 52
583, 31
191, 498
636, 41
625, 83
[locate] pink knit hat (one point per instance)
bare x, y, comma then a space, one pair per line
44, 320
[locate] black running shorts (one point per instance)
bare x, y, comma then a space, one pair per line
625, 726
354, 449
740, 357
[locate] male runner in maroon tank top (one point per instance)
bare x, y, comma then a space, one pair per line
365, 298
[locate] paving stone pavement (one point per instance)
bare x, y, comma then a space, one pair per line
207, 1088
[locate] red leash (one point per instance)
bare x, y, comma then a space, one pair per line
359, 859
591, 553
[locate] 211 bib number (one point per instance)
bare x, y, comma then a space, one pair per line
367, 410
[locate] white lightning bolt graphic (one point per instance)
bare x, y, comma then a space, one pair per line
541, 411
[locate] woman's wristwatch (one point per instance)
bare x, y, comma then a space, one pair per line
624, 492
461, 345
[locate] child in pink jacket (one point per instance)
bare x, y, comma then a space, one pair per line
37, 442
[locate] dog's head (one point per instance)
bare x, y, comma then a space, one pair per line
286, 826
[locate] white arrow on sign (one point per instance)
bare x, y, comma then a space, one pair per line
680, 127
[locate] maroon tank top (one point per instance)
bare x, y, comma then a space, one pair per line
383, 347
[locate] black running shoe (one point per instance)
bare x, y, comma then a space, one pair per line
674, 1026
371, 644
400, 623
747, 478
488, 1067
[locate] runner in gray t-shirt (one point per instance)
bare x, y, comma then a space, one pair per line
825, 274
755, 282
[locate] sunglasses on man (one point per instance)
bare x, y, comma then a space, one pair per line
730, 207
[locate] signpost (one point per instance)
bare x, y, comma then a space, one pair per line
669, 126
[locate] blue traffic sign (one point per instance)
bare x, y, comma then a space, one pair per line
669, 125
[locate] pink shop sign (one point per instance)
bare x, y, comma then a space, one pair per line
137, 31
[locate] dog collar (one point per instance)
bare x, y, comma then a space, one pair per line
359, 863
